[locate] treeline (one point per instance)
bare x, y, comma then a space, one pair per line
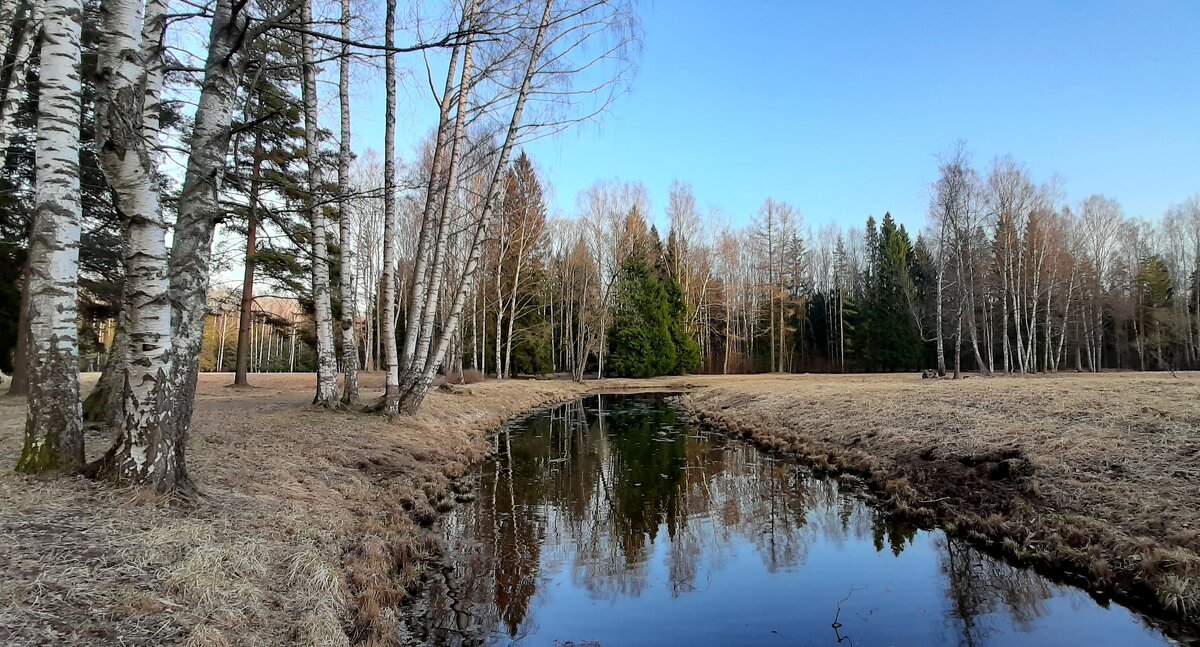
1005, 276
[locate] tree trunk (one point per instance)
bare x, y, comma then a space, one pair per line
387, 300
104, 405
420, 271
411, 399
941, 337
19, 385
14, 93
326, 394
54, 423
144, 448
199, 210
432, 298
349, 303
245, 316
499, 322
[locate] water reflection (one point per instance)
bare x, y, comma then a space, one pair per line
613, 520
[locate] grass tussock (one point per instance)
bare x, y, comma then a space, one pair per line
1093, 476
313, 528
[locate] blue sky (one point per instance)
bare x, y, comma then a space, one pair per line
841, 108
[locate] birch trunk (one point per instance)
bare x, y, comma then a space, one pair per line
349, 313
1006, 358
103, 405
432, 297
391, 394
326, 394
199, 210
499, 322
420, 269
54, 423
940, 336
19, 384
412, 398
14, 92
144, 449
512, 310
8, 15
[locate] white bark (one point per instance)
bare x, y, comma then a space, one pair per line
326, 395
431, 298
199, 210
419, 283
349, 312
14, 92
412, 398
145, 446
54, 424
391, 398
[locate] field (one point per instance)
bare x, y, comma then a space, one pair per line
314, 525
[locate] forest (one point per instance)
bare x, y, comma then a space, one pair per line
1005, 275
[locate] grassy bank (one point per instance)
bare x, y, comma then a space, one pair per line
1093, 475
313, 527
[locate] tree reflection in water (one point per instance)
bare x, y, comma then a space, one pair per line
979, 588
578, 498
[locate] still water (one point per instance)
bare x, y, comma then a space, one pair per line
613, 521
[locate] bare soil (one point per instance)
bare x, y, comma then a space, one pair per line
315, 525
1095, 477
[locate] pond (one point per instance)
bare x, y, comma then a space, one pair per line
612, 520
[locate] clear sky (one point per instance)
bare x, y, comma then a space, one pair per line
842, 107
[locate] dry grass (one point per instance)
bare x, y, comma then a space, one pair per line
313, 527
1094, 474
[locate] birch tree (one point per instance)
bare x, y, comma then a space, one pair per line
54, 424
326, 394
22, 50
391, 396
428, 357
199, 211
346, 256
145, 445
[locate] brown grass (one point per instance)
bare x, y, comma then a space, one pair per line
1096, 475
313, 526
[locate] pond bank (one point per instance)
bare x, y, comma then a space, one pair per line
613, 519
1089, 476
315, 522
313, 528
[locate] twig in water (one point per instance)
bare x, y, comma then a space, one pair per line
837, 625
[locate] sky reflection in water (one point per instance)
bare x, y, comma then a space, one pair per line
613, 521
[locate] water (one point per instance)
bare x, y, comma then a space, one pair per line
612, 521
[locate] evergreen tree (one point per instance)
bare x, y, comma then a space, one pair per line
650, 333
886, 332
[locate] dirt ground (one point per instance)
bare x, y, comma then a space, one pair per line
314, 524
1095, 475
310, 532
